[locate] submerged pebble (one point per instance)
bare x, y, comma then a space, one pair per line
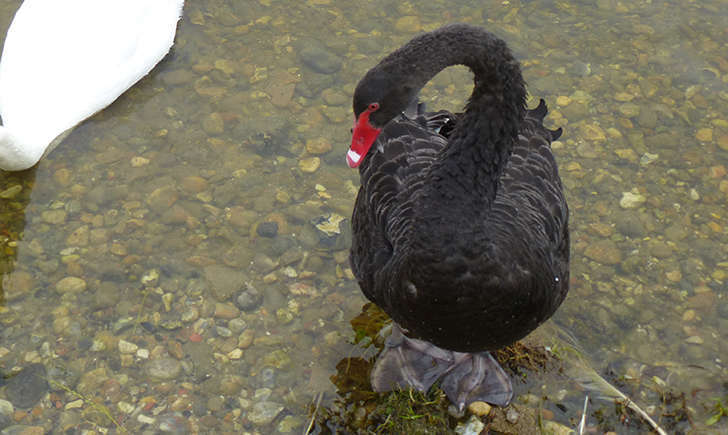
264, 413
27, 387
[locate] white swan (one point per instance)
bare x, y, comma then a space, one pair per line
65, 60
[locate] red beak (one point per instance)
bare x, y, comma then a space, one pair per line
362, 139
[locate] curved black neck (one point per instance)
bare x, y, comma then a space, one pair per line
479, 147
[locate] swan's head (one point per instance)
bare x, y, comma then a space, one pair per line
17, 154
378, 98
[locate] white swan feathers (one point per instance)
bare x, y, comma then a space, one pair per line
63, 61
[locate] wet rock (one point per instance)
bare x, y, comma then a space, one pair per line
71, 284
264, 412
289, 424
11, 192
318, 146
472, 427
263, 263
127, 347
225, 311
480, 409
267, 229
408, 24
6, 413
16, 284
723, 309
334, 98
631, 200
249, 299
512, 416
629, 224
21, 429
224, 281
79, 236
309, 165
659, 249
246, 339
175, 424
53, 217
164, 368
194, 184
704, 134
213, 124
320, 59
161, 199
604, 251
27, 387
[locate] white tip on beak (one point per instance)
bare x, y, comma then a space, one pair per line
353, 156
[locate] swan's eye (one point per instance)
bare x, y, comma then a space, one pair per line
373, 107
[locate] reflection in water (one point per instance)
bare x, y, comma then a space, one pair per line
15, 190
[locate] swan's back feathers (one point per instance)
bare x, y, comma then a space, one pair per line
63, 61
518, 261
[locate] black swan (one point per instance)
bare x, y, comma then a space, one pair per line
460, 225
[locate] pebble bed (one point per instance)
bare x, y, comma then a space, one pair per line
179, 264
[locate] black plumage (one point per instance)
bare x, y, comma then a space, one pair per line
460, 227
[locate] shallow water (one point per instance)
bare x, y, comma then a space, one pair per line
198, 216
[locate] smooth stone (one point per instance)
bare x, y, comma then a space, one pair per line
194, 184
164, 368
310, 164
408, 24
11, 192
628, 223
264, 412
604, 251
249, 299
162, 198
224, 281
21, 429
175, 424
71, 284
53, 217
318, 146
213, 124
480, 409
6, 413
225, 311
334, 98
267, 229
27, 387
512, 416
472, 427
631, 200
290, 423
320, 59
127, 347
246, 338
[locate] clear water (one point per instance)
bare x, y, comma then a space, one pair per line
164, 204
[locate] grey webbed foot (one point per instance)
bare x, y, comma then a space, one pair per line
466, 377
477, 377
407, 362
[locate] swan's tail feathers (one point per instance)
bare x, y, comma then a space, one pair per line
466, 377
540, 111
555, 134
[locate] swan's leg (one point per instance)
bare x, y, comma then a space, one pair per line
477, 377
407, 362
466, 378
